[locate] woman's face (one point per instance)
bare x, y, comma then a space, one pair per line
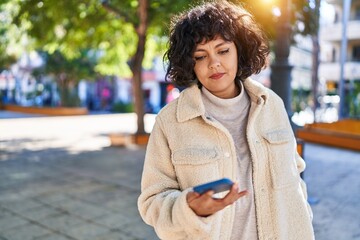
216, 64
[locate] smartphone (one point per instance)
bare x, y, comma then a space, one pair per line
217, 186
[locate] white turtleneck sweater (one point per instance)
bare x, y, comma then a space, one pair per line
233, 115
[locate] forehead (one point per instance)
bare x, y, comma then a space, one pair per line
215, 42
217, 38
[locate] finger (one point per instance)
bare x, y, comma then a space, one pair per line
230, 199
208, 195
233, 195
235, 187
191, 196
233, 191
242, 193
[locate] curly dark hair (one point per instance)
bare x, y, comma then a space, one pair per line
206, 22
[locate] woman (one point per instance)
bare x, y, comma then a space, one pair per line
223, 125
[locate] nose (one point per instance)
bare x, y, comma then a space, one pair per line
214, 63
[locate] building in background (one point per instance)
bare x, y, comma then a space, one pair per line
300, 58
329, 69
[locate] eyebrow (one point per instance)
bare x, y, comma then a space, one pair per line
216, 46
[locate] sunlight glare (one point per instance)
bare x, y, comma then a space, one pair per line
276, 11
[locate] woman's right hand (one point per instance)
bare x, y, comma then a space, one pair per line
205, 205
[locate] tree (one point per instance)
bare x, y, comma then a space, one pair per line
68, 72
297, 16
119, 30
7, 32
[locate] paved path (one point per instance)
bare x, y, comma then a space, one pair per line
60, 179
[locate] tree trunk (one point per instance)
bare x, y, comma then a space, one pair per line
281, 68
136, 66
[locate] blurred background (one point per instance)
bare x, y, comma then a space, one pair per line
78, 79
106, 56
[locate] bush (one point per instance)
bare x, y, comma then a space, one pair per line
120, 107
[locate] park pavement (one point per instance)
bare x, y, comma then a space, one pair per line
60, 179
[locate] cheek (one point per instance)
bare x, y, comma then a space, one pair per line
234, 64
198, 70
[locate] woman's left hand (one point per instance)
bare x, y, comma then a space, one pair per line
205, 205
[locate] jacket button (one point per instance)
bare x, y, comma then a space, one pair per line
227, 154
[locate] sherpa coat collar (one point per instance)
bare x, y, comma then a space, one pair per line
191, 106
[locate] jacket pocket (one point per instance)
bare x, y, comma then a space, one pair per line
282, 158
194, 166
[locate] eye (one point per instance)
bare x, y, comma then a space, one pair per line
222, 52
199, 58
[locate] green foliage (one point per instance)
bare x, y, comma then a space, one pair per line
73, 69
353, 101
120, 107
68, 26
8, 48
300, 99
65, 28
68, 72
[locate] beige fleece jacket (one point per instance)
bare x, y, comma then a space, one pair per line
186, 149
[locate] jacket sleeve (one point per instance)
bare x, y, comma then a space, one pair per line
161, 203
301, 167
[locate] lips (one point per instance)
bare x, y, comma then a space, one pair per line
217, 75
